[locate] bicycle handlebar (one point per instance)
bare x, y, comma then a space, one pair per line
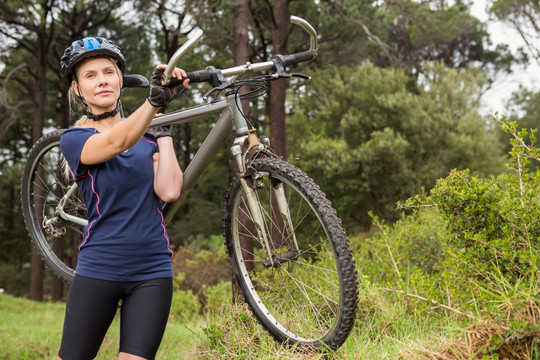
209, 74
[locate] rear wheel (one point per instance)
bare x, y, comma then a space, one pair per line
307, 293
44, 183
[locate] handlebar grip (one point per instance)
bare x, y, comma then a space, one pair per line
194, 77
199, 76
297, 58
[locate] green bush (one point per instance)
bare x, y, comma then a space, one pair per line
195, 270
494, 223
217, 295
489, 256
14, 279
185, 306
412, 244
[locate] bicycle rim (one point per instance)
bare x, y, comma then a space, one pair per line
44, 183
308, 296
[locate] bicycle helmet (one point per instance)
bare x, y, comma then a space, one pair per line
85, 48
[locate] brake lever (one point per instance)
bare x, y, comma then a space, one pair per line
301, 76
283, 73
211, 91
219, 82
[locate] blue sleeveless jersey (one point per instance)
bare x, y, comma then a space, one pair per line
125, 239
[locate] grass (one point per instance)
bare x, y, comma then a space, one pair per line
386, 328
32, 330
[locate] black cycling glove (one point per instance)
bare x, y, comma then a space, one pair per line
159, 131
162, 95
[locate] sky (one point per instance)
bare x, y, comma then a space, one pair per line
495, 100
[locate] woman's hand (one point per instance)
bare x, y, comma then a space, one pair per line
161, 95
160, 131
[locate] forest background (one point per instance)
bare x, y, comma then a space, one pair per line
391, 116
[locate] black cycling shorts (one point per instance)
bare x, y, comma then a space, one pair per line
91, 307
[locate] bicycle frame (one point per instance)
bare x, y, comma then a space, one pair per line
209, 148
231, 120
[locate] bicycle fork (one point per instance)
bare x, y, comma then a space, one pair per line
255, 207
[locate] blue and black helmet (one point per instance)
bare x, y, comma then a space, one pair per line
89, 47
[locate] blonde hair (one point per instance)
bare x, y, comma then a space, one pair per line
76, 104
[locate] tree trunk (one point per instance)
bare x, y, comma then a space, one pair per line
35, 291
276, 106
241, 50
241, 56
57, 284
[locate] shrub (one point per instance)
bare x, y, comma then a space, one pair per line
217, 295
471, 246
413, 242
185, 306
492, 252
494, 223
194, 271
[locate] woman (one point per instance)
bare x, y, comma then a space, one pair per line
124, 258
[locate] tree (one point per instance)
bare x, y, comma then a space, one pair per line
241, 51
408, 34
524, 16
276, 103
37, 32
370, 142
528, 102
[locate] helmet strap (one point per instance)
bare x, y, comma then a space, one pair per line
103, 115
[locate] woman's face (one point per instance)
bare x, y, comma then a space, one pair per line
99, 84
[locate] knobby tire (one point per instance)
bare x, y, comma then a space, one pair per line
310, 299
43, 184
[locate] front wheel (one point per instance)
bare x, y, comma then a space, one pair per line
55, 226
305, 292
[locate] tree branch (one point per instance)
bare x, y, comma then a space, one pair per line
371, 37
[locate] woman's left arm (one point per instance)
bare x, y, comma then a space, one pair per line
167, 174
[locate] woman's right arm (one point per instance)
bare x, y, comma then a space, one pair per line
123, 135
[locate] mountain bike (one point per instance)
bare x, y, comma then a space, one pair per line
288, 251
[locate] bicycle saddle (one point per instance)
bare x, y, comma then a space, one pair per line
135, 81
